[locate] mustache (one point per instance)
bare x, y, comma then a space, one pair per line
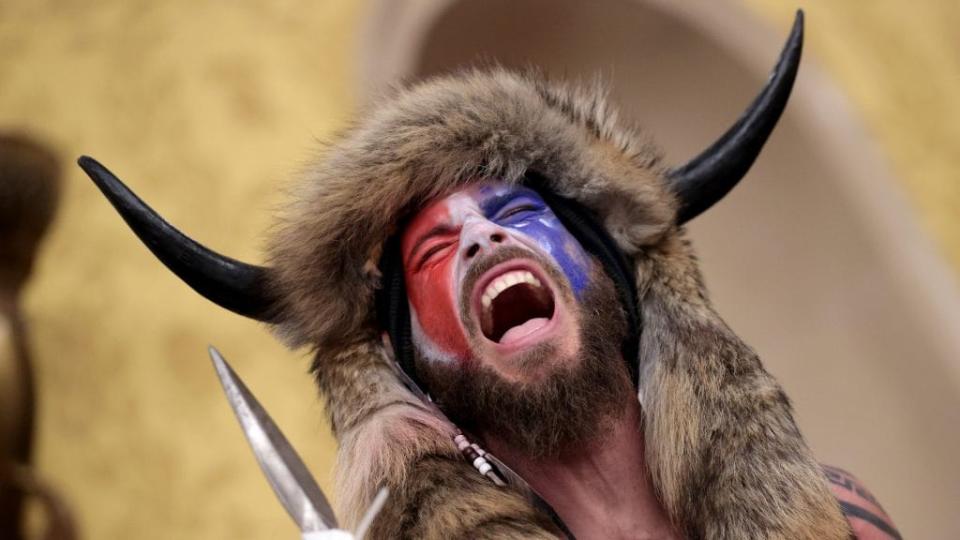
500, 255
577, 402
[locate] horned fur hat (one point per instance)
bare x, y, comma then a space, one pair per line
724, 451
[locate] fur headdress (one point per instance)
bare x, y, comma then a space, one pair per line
724, 452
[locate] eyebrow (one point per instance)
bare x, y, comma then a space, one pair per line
437, 230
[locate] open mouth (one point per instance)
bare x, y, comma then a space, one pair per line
515, 304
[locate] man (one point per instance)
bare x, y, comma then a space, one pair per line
518, 334
506, 246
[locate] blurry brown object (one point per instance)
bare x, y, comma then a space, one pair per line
29, 189
22, 482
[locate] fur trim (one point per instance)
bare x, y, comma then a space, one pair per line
723, 449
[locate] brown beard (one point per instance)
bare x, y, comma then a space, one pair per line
575, 402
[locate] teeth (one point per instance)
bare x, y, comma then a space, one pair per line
506, 281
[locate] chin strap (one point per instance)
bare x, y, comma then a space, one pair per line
393, 311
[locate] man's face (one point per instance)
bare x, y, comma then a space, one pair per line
517, 332
493, 278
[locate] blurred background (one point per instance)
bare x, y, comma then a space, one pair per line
837, 258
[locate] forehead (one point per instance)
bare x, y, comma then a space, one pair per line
484, 199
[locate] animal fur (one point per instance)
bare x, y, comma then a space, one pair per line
725, 454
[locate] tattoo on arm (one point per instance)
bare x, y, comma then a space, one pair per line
859, 504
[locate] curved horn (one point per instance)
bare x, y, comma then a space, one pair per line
237, 286
711, 175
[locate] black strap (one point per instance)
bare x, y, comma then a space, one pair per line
393, 310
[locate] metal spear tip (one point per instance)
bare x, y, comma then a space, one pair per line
285, 471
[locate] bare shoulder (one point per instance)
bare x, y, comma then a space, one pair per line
867, 518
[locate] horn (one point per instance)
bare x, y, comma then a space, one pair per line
237, 286
708, 177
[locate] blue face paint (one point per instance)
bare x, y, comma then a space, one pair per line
522, 210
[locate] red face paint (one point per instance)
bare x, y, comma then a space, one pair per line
429, 246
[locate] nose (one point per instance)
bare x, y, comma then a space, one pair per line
479, 236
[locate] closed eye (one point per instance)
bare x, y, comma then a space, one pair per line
519, 211
431, 252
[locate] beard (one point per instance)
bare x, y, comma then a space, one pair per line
568, 402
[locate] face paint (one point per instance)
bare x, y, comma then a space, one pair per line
429, 247
522, 210
437, 248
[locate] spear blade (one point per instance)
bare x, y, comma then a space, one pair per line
285, 471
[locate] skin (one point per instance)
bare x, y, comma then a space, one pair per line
867, 518
602, 489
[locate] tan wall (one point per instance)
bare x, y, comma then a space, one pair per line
206, 111
899, 63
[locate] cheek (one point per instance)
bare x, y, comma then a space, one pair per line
552, 238
433, 299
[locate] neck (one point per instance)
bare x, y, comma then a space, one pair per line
600, 490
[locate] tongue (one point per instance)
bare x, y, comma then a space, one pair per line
525, 329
